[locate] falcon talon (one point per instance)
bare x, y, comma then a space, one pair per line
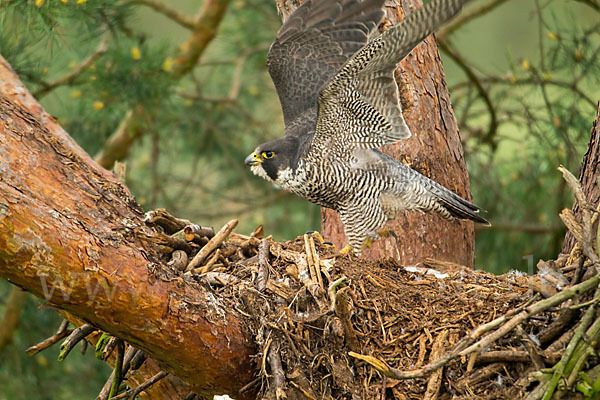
318, 236
334, 74
384, 233
346, 250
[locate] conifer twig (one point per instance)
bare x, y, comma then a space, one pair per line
72, 75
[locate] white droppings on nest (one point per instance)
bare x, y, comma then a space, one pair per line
426, 271
516, 272
214, 304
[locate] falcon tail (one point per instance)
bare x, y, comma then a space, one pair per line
458, 207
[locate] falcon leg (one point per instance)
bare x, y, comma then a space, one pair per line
347, 250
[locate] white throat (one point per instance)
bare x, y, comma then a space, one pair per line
258, 170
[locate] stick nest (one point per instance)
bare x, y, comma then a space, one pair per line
334, 326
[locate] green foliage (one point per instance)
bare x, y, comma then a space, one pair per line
544, 102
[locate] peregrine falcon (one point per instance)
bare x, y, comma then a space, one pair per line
335, 80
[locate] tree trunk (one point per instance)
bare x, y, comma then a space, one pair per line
588, 176
435, 150
69, 232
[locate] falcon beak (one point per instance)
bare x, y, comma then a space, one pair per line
252, 159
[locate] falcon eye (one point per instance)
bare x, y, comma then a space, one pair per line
268, 154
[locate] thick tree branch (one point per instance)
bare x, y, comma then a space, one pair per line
206, 27
68, 233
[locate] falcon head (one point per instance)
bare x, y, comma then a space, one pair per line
275, 160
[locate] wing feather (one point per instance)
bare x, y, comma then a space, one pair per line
366, 82
313, 44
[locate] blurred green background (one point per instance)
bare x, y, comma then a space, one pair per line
524, 79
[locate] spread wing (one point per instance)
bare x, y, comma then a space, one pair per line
313, 44
359, 107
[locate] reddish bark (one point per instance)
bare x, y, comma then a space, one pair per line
588, 176
68, 225
435, 150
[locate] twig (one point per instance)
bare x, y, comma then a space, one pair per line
312, 259
212, 244
193, 229
205, 28
278, 374
532, 349
342, 311
131, 393
493, 125
118, 371
166, 240
117, 146
60, 334
562, 364
263, 265
332, 289
129, 354
435, 380
302, 390
110, 346
169, 223
568, 218
75, 337
210, 265
249, 248
174, 15
517, 356
71, 76
530, 81
137, 360
557, 326
587, 240
467, 17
